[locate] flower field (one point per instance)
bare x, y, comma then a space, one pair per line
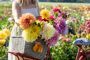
77, 18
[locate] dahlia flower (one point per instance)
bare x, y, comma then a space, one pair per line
45, 14
51, 17
55, 10
3, 35
32, 33
61, 26
53, 40
7, 32
26, 20
48, 31
2, 42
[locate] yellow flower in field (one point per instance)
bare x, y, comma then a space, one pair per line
88, 15
32, 33
88, 36
48, 31
7, 32
45, 14
2, 42
3, 35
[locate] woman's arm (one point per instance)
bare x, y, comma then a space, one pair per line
37, 5
16, 11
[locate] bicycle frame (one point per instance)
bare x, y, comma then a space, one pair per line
17, 54
81, 52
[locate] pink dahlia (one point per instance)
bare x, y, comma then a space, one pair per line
40, 18
53, 40
51, 17
55, 10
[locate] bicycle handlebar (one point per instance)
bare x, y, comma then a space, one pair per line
82, 41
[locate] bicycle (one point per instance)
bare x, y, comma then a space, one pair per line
82, 54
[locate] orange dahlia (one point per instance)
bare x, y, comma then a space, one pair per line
26, 20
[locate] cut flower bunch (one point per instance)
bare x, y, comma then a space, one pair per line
46, 27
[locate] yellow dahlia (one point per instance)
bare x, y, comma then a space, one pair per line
3, 35
32, 33
2, 42
45, 14
48, 31
7, 32
26, 20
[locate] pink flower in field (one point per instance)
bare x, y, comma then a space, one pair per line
82, 27
73, 19
88, 26
51, 17
55, 10
64, 39
88, 30
61, 37
88, 22
68, 40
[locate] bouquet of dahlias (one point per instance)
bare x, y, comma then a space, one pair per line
34, 29
47, 27
43, 32
40, 34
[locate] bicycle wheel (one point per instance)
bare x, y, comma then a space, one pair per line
87, 57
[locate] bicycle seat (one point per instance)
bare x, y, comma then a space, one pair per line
81, 41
